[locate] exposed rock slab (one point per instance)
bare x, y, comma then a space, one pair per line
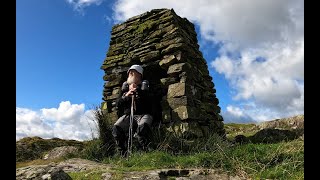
50, 171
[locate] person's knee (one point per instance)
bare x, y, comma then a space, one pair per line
144, 130
117, 132
147, 118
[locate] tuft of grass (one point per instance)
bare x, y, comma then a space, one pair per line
104, 146
95, 150
283, 160
86, 175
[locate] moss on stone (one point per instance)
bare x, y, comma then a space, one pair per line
114, 59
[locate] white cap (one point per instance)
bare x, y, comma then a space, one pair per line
138, 68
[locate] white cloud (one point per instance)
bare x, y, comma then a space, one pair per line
250, 112
274, 82
245, 23
234, 114
65, 112
108, 19
31, 123
79, 5
262, 46
68, 121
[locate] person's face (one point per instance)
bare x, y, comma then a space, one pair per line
133, 77
134, 73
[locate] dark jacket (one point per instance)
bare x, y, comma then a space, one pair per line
143, 103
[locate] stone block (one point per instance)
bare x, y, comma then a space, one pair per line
150, 56
165, 44
174, 47
185, 113
177, 90
180, 101
111, 77
165, 82
167, 61
115, 82
176, 69
186, 129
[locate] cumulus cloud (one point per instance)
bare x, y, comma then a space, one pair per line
251, 112
68, 121
242, 23
261, 47
273, 77
31, 123
236, 115
79, 5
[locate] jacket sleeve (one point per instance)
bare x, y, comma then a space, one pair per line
146, 99
121, 101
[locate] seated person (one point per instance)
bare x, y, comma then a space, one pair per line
142, 119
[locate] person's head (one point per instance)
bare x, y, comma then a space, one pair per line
135, 73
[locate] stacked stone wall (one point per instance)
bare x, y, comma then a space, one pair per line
166, 46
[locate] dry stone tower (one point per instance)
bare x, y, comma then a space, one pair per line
166, 46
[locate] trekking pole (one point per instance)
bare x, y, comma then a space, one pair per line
131, 127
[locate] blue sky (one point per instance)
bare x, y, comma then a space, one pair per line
59, 53
254, 51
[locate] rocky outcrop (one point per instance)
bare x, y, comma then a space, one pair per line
269, 135
47, 172
167, 48
285, 129
60, 152
78, 165
30, 148
295, 122
58, 171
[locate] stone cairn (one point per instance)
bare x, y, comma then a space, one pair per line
166, 46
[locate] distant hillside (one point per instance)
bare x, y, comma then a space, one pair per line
295, 123
30, 148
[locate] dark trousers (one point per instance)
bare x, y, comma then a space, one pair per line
141, 129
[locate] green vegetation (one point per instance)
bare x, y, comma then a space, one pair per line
271, 161
86, 175
150, 24
38, 162
103, 146
145, 26
233, 129
284, 160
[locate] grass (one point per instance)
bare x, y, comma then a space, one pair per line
38, 162
86, 175
283, 160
